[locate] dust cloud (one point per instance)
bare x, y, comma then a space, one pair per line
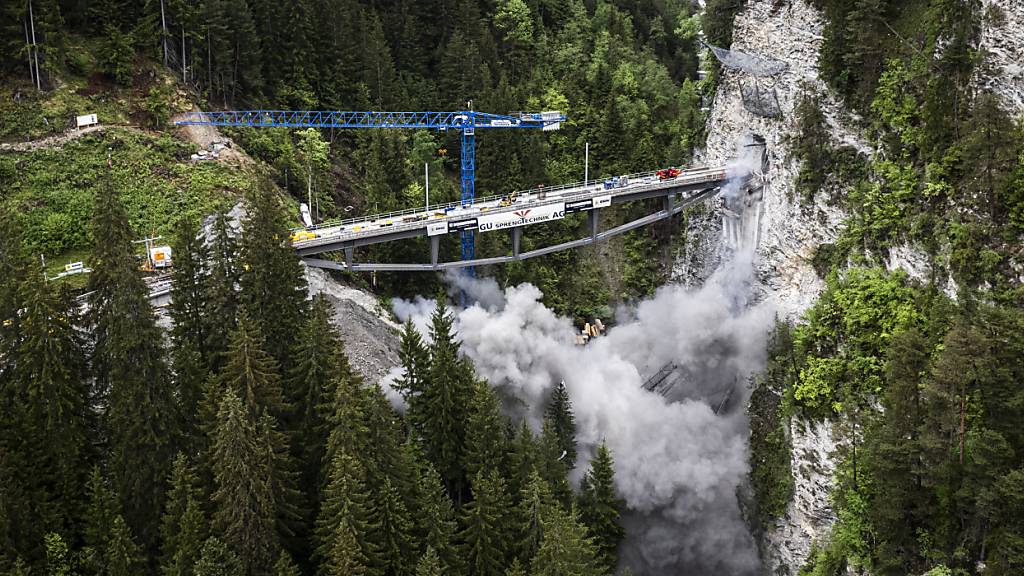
678, 463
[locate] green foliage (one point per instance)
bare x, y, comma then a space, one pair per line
600, 508
117, 56
770, 452
53, 191
846, 333
485, 526
244, 500
128, 363
559, 413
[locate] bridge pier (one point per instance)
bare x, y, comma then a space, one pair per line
593, 216
350, 254
670, 203
435, 244
517, 235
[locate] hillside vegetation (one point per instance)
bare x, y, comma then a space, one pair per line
625, 74
919, 376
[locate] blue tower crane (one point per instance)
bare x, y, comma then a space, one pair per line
467, 121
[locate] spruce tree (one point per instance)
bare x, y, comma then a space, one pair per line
218, 560
536, 506
273, 287
437, 516
129, 368
600, 508
522, 457
220, 297
320, 362
189, 335
244, 509
429, 564
485, 531
565, 549
396, 538
515, 568
183, 529
101, 511
485, 433
251, 372
416, 365
551, 464
122, 556
347, 505
345, 557
50, 383
559, 412
285, 566
445, 402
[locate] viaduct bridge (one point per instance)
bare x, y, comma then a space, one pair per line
511, 213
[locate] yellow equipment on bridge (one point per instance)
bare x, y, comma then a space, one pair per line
302, 236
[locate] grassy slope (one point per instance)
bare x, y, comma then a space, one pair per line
51, 190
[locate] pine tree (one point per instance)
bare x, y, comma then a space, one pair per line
347, 506
485, 533
244, 508
128, 362
485, 434
183, 528
565, 550
273, 287
600, 509
559, 412
220, 298
218, 560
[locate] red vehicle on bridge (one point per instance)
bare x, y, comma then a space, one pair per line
666, 173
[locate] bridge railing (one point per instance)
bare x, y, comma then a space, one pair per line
458, 204
585, 192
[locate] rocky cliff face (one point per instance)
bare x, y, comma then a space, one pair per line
783, 234
1002, 39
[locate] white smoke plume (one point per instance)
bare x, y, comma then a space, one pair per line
678, 465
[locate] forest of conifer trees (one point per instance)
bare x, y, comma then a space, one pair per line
226, 445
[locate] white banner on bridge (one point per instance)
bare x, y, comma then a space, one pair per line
516, 218
437, 228
602, 201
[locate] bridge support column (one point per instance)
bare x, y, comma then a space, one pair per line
517, 235
435, 243
670, 203
350, 254
593, 217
